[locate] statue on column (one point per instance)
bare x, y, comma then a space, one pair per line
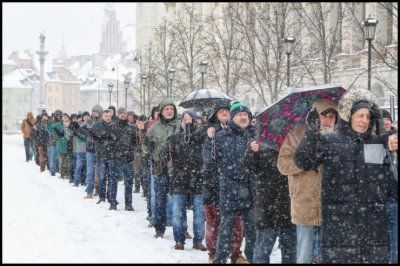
42, 38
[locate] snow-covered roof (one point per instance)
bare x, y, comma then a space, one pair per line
9, 62
14, 80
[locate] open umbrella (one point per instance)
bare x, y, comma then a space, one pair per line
203, 99
275, 121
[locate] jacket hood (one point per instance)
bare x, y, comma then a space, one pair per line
29, 115
218, 105
350, 98
166, 102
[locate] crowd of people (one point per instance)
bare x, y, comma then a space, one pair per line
329, 194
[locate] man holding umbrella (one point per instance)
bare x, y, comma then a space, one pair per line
305, 186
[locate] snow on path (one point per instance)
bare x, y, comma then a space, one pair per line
46, 220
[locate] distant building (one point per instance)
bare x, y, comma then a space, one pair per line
111, 35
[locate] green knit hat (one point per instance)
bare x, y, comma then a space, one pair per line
237, 107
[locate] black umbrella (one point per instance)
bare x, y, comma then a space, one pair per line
203, 99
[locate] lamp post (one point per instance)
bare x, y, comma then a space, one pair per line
171, 72
144, 81
126, 84
288, 44
110, 88
203, 68
369, 32
113, 69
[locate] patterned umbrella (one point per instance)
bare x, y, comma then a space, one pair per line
275, 121
203, 99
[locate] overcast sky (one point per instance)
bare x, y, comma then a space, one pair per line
78, 24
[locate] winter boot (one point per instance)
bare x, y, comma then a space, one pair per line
159, 233
53, 174
187, 235
239, 259
199, 246
137, 190
95, 193
88, 196
128, 207
100, 200
151, 224
179, 246
113, 207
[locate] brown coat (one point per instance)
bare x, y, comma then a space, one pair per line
304, 186
25, 127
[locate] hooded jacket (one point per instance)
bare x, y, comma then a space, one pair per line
157, 134
27, 124
304, 186
356, 187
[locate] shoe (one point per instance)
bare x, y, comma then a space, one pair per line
159, 234
199, 246
315, 260
151, 224
95, 193
71, 181
137, 190
187, 235
88, 196
168, 223
211, 258
75, 185
113, 207
27, 160
100, 200
179, 246
129, 207
239, 259
53, 174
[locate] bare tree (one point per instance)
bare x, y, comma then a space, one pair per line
190, 43
224, 47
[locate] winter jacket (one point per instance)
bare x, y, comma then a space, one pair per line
156, 136
42, 136
140, 135
86, 130
356, 188
61, 138
211, 176
304, 186
272, 202
185, 154
122, 144
27, 125
79, 138
237, 187
102, 139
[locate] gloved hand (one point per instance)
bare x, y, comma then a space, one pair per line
312, 120
376, 112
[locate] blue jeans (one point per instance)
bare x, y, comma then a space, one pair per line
89, 172
308, 242
161, 188
224, 240
151, 201
103, 170
168, 210
54, 167
179, 218
78, 167
393, 231
265, 240
125, 170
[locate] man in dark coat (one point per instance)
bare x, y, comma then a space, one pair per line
272, 205
183, 150
121, 159
356, 183
42, 137
236, 186
216, 122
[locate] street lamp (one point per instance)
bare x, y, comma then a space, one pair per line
144, 81
369, 31
288, 44
203, 68
113, 69
110, 88
126, 84
171, 72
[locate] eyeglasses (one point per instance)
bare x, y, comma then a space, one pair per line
223, 110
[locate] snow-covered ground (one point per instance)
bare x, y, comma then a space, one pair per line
46, 220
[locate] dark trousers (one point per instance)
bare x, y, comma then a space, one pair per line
27, 145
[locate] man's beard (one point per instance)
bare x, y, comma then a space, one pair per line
326, 129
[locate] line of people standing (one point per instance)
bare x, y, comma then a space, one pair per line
329, 193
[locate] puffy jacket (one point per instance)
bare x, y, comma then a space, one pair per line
237, 187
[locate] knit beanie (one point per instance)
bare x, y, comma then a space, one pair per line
121, 110
238, 107
386, 114
360, 104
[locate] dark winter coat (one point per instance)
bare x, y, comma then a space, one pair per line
211, 176
102, 139
237, 187
356, 188
42, 136
186, 175
272, 202
122, 143
86, 130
